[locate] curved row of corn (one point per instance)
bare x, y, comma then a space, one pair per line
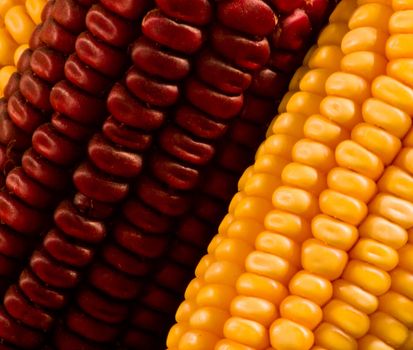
316, 249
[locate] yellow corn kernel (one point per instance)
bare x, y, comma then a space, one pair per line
19, 52
406, 257
367, 64
238, 197
355, 296
375, 253
393, 92
282, 106
215, 295
302, 311
209, 319
401, 70
254, 309
295, 80
278, 245
253, 285
371, 15
328, 57
270, 164
402, 5
314, 154
261, 185
7, 47
364, 39
401, 22
205, 262
305, 177
405, 160
252, 208
402, 282
393, 208
398, 306
312, 287
290, 124
384, 115
399, 46
295, 200
397, 182
290, 225
34, 9
246, 175
223, 272
333, 338
332, 34
19, 24
368, 277
279, 145
408, 139
382, 230
175, 334
408, 344
343, 11
5, 74
342, 207
216, 240
269, 265
321, 129
348, 85
308, 55
6, 5
185, 310
348, 318
320, 259
233, 250
193, 288
351, 183
314, 81
304, 102
388, 329
342, 111
225, 223
333, 232
245, 230
226, 344
380, 142
289, 335
195, 339
370, 342
351, 155
246, 332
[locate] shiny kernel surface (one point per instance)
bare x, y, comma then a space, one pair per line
185, 310
233, 250
255, 309
193, 287
295, 200
302, 311
295, 80
311, 286
215, 295
289, 335
333, 338
348, 85
332, 34
223, 272
364, 39
393, 208
397, 182
313, 153
279, 145
304, 102
175, 334
303, 176
388, 329
34, 9
226, 344
402, 5
371, 15
399, 46
398, 306
370, 342
402, 70
209, 319
5, 74
406, 257
326, 57
314, 81
195, 339
343, 11
288, 224
270, 164
401, 22
342, 111
290, 124
19, 24
252, 208
261, 185
246, 332
19, 52
244, 229
7, 47
405, 160
402, 280
366, 64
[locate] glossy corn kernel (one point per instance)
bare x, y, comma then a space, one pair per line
312, 287
215, 295
393, 208
371, 15
223, 272
401, 69
333, 338
261, 185
34, 9
253, 308
288, 224
185, 310
233, 250
19, 52
399, 46
290, 124
226, 344
193, 288
295, 80
209, 319
343, 11
304, 101
279, 145
388, 329
347, 85
19, 24
302, 311
397, 182
364, 39
305, 177
295, 200
397, 306
406, 257
5, 74
246, 332
252, 208
402, 281
366, 64
244, 229
342, 111
370, 342
6, 5
402, 5
197, 340
175, 334
314, 81
7, 47
314, 154
332, 34
327, 57
289, 335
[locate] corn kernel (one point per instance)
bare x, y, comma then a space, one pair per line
322, 260
288, 335
197, 340
398, 306
19, 52
295, 80
282, 106
332, 34
333, 338
402, 282
314, 154
304, 102
348, 85
388, 329
6, 5
215, 295
216, 240
246, 332
5, 74
245, 229
406, 257
302, 311
366, 64
368, 277
19, 24
254, 309
289, 123
238, 197
351, 155
405, 160
34, 9
343, 11
223, 272
402, 5
295, 200
408, 139
279, 145
371, 15
364, 39
253, 285
185, 310
233, 250
401, 22
328, 57
408, 344
312, 287
290, 225
7, 47
397, 182
225, 224
399, 46
205, 262
342, 207
333, 232
314, 81
370, 342
247, 174
261, 185
346, 317
355, 296
209, 319
321, 129
252, 208
308, 55
271, 266
393, 208
304, 177
226, 344
344, 112
175, 334
193, 288
278, 245
270, 164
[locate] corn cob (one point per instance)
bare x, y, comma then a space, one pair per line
286, 268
